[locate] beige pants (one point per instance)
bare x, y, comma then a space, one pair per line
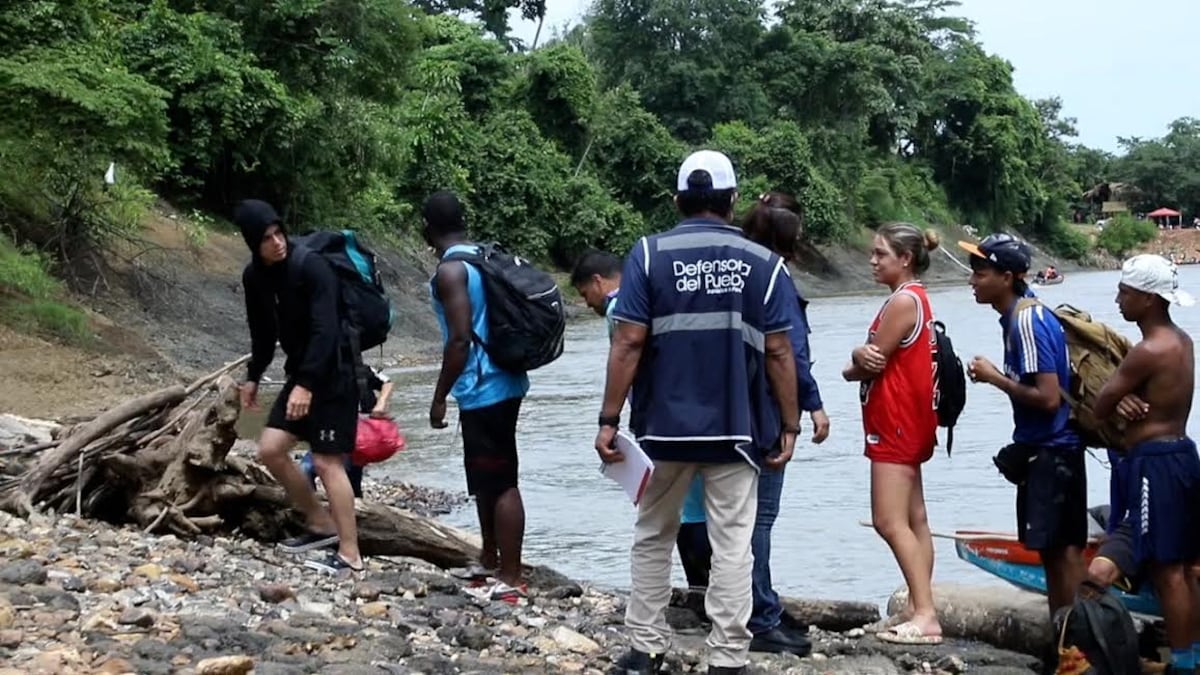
731, 501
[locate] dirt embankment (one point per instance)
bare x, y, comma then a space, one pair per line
1182, 246
167, 309
840, 270
172, 307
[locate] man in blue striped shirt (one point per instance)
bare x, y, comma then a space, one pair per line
702, 340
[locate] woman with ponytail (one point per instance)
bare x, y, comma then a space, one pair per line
895, 369
776, 222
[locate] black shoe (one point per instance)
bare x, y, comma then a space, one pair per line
638, 663
309, 541
776, 641
726, 670
792, 624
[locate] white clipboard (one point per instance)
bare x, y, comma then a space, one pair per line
632, 474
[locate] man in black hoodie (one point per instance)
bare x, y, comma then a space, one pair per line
294, 299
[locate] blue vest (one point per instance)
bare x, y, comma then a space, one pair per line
482, 383
708, 297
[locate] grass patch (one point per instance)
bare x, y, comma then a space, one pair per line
47, 317
31, 298
24, 271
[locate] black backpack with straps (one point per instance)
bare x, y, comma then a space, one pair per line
364, 309
949, 384
526, 316
1096, 635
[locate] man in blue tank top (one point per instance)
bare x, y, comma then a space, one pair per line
702, 340
488, 398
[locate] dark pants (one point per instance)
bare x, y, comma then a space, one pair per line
354, 473
767, 611
695, 553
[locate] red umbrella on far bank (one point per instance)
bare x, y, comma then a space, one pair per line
1164, 212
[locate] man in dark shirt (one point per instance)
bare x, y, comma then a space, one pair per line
294, 298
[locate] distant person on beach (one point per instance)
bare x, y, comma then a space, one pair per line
597, 279
318, 403
375, 413
489, 402
775, 221
1047, 454
701, 339
896, 370
1156, 488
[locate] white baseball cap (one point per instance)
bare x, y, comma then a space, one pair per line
718, 166
1155, 274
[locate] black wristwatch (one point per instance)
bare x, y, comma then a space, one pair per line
613, 421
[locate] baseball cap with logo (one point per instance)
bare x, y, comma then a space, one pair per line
716, 165
1156, 275
1004, 251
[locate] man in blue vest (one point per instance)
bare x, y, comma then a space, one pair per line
489, 401
700, 293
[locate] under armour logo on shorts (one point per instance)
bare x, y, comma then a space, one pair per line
326, 435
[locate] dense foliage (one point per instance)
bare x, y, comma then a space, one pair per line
1124, 233
349, 112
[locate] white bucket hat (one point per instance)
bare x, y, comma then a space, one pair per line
1155, 274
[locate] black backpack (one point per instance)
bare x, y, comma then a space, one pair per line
1101, 631
526, 317
950, 384
363, 306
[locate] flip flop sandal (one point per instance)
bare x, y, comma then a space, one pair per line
908, 633
885, 623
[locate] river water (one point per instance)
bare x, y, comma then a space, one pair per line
581, 523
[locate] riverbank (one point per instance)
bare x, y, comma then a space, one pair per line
179, 311
81, 596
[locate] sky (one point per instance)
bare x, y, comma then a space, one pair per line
1121, 68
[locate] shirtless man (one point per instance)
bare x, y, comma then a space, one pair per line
1157, 485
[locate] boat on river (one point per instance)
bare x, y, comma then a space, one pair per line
1043, 281
1003, 556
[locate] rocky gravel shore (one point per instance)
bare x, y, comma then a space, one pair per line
85, 597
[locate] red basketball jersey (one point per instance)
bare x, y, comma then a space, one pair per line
899, 410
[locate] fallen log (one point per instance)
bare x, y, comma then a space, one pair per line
162, 461
382, 530
31, 487
833, 615
1008, 618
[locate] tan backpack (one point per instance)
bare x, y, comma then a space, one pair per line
1095, 350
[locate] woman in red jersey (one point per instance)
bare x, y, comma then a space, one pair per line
896, 371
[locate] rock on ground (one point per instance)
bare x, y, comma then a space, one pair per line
79, 596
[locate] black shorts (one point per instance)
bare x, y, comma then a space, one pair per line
490, 447
330, 426
1052, 502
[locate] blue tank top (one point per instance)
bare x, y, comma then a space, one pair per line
482, 383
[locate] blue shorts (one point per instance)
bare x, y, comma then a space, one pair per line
354, 473
693, 503
1156, 489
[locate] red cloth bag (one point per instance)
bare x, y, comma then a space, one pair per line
378, 440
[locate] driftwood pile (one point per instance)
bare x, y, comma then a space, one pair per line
162, 461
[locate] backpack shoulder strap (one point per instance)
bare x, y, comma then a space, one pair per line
297, 254
1022, 305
